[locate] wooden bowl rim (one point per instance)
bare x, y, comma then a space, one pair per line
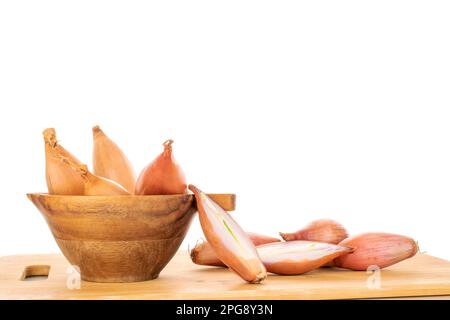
129, 200
44, 194
61, 196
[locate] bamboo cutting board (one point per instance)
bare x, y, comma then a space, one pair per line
422, 275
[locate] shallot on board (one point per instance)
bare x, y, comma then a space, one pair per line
323, 230
230, 243
162, 176
203, 253
376, 249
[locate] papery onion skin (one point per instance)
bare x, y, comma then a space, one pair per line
230, 243
323, 230
313, 256
376, 249
162, 176
203, 253
51, 140
110, 162
99, 186
61, 179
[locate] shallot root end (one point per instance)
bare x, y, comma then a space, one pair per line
260, 277
287, 236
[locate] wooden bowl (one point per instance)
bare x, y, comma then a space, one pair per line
120, 238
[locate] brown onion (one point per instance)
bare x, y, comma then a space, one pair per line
230, 243
323, 230
162, 176
376, 249
110, 162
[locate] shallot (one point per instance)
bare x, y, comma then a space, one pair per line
162, 176
61, 179
110, 162
230, 243
376, 249
203, 253
323, 230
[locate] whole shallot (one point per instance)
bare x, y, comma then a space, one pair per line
162, 176
298, 256
110, 162
323, 230
376, 249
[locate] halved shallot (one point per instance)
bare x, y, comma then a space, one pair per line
323, 230
376, 249
298, 257
230, 243
203, 253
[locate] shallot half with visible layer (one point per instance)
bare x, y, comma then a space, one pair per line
230, 243
298, 257
284, 258
203, 253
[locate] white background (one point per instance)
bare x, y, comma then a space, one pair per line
305, 110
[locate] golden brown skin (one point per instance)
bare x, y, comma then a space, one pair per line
323, 230
110, 162
291, 267
98, 186
61, 179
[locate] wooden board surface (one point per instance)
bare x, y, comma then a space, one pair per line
422, 275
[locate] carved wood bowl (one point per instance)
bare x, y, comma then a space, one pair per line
120, 238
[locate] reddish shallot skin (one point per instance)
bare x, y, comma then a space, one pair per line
162, 176
376, 249
203, 253
283, 258
323, 230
